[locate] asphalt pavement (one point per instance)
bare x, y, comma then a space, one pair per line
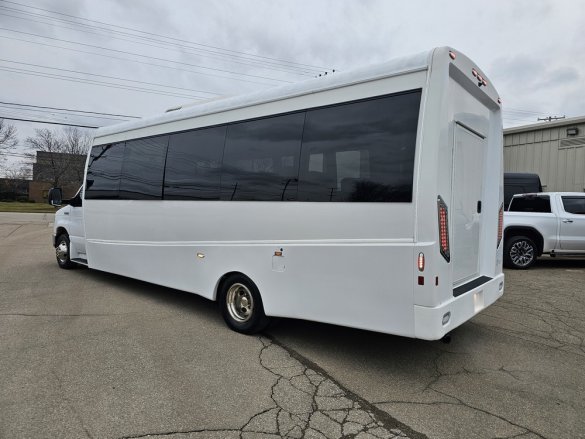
90, 354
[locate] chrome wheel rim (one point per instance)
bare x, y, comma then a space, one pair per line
240, 303
62, 251
522, 253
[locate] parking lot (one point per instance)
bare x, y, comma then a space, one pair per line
90, 354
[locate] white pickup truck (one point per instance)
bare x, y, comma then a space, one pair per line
543, 223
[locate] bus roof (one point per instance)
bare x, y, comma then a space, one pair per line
394, 67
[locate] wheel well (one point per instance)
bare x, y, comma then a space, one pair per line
60, 231
222, 279
529, 232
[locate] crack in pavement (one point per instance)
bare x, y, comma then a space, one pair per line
179, 432
70, 404
309, 404
60, 315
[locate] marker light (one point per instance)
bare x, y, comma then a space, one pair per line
443, 229
421, 262
500, 224
499, 101
452, 55
474, 72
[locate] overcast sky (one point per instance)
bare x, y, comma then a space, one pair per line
532, 51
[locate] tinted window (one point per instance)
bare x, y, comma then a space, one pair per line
361, 151
574, 205
143, 168
531, 204
261, 159
104, 169
194, 164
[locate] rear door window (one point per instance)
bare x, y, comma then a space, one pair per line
575, 205
539, 204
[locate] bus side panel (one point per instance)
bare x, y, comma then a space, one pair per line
324, 275
329, 284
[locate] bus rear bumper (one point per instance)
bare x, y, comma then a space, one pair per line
434, 323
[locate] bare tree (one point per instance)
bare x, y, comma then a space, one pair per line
8, 139
20, 171
64, 154
76, 142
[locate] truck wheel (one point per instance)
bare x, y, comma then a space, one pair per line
241, 305
520, 252
62, 251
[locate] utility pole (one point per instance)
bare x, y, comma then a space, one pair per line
550, 118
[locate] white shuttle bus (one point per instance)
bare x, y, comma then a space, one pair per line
371, 199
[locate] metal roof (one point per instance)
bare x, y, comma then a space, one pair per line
545, 125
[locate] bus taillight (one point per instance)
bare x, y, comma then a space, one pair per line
500, 224
443, 229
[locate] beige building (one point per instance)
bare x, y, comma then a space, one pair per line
553, 150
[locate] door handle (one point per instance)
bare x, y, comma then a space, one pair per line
67, 213
479, 206
567, 221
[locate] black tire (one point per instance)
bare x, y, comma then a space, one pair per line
241, 305
520, 252
62, 251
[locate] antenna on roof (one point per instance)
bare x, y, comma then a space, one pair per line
550, 118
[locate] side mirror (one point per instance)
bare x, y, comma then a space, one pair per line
55, 196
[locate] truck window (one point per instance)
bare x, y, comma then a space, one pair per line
574, 205
531, 204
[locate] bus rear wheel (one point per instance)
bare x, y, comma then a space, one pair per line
241, 305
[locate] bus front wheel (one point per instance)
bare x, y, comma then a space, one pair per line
62, 251
241, 305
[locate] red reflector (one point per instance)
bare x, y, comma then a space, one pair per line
452, 55
443, 229
421, 280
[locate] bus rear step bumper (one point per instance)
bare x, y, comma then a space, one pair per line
434, 323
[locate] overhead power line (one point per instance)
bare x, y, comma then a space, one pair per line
69, 109
518, 110
106, 76
132, 60
50, 123
100, 83
320, 68
165, 45
60, 113
143, 56
14, 154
